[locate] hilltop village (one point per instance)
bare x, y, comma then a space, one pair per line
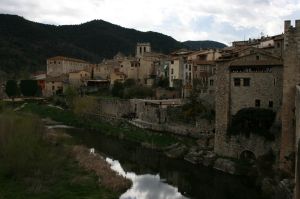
240, 102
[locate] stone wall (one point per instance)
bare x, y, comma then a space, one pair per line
297, 142
222, 107
114, 108
264, 86
291, 77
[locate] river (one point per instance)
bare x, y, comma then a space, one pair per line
155, 176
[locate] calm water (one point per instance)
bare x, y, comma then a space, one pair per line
155, 176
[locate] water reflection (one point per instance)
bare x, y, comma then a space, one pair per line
145, 186
192, 181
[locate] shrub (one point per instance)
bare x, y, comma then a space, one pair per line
29, 88
138, 92
117, 89
11, 89
253, 120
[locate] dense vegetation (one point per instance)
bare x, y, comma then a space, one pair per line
130, 89
196, 45
25, 45
253, 121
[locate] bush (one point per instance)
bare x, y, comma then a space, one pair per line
253, 120
29, 88
11, 89
117, 90
84, 106
137, 92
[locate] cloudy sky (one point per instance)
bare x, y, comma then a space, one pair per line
221, 20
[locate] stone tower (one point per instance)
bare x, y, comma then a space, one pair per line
142, 48
291, 78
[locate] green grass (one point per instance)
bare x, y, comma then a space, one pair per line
32, 167
129, 132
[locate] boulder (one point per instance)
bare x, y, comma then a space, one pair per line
225, 165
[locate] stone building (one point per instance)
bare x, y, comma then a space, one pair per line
291, 78
142, 48
56, 85
78, 79
60, 65
203, 72
252, 79
104, 69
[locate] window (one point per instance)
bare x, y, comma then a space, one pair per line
53, 88
144, 49
257, 103
271, 104
140, 50
186, 66
278, 45
121, 66
257, 57
211, 82
237, 82
172, 71
246, 81
190, 67
172, 62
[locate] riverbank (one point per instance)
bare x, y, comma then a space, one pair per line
45, 163
122, 130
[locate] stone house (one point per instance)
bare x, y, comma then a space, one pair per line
104, 69
130, 67
117, 76
60, 65
78, 79
253, 79
56, 85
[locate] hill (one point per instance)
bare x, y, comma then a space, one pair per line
196, 45
25, 45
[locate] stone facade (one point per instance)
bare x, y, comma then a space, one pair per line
291, 77
78, 79
59, 65
297, 143
252, 80
56, 85
142, 48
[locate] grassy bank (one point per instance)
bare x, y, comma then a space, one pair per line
121, 130
36, 168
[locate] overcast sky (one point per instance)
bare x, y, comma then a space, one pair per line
220, 20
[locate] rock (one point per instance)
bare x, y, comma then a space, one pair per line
277, 190
209, 159
225, 165
177, 152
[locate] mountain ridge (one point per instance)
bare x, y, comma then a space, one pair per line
25, 45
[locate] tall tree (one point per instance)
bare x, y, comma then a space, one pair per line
11, 89
29, 88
